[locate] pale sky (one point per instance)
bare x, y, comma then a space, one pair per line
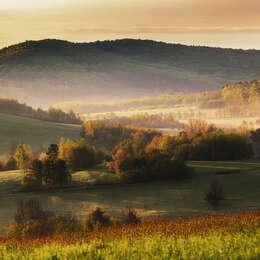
225, 23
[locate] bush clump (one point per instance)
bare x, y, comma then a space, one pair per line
130, 216
32, 221
97, 219
214, 194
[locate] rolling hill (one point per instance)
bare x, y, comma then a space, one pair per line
47, 71
37, 133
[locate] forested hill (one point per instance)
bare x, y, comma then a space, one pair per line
58, 70
13, 107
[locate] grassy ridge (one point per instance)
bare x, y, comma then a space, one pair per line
231, 236
15, 129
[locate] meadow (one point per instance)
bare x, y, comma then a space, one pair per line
240, 181
222, 236
15, 129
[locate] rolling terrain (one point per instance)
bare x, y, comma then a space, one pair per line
36, 71
15, 129
175, 198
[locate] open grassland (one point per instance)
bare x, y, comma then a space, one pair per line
226, 236
240, 181
15, 129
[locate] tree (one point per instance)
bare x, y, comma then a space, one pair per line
36, 170
199, 126
23, 156
54, 170
107, 134
53, 152
135, 160
77, 154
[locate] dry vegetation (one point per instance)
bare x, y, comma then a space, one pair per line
235, 236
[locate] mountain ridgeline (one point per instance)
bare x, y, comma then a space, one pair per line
41, 72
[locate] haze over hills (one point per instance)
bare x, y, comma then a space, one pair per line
47, 71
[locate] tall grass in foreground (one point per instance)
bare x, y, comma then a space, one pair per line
237, 245
224, 236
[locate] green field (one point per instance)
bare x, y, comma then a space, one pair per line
240, 182
15, 129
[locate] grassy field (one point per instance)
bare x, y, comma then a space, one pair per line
14, 129
225, 236
240, 182
215, 246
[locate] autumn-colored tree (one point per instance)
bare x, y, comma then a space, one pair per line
23, 156
77, 154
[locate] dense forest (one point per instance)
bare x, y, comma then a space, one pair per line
13, 107
117, 69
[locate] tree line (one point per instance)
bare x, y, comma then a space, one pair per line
13, 107
145, 120
132, 154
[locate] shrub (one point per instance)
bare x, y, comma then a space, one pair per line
130, 216
162, 166
61, 223
214, 194
97, 218
29, 183
30, 220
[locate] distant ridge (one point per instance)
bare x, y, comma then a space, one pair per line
55, 70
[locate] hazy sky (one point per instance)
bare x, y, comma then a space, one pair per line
228, 23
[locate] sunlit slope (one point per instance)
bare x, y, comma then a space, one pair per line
14, 130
